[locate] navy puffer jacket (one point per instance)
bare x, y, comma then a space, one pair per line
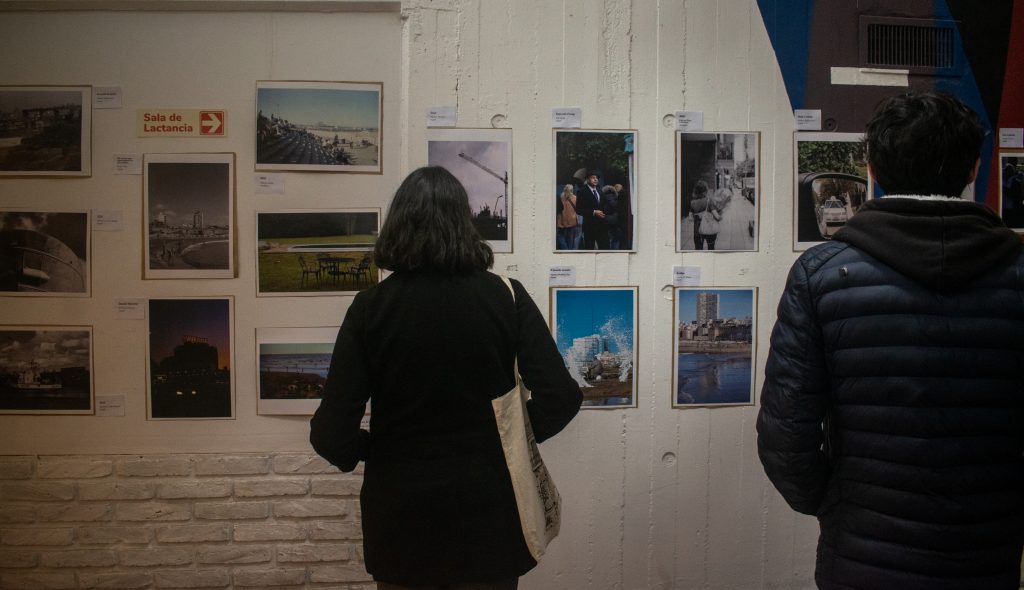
893, 401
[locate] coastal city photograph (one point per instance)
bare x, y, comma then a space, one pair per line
44, 131
189, 207
714, 347
594, 329
293, 365
46, 370
44, 253
318, 126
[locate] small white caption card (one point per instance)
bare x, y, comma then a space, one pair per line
685, 276
566, 117
562, 276
690, 120
269, 184
442, 116
1011, 137
110, 405
107, 220
130, 309
127, 164
808, 119
106, 97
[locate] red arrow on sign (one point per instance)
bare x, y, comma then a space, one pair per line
211, 122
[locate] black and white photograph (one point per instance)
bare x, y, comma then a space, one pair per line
292, 364
594, 190
45, 130
188, 208
714, 349
1011, 189
482, 161
190, 358
46, 370
318, 126
44, 253
316, 252
831, 182
717, 189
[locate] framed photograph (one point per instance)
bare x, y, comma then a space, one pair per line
189, 211
482, 161
595, 330
44, 253
831, 183
292, 366
190, 358
321, 252
714, 346
319, 126
717, 189
46, 370
594, 190
45, 131
1011, 189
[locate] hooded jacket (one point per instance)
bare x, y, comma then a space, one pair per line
893, 401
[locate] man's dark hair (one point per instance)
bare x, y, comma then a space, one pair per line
430, 227
923, 144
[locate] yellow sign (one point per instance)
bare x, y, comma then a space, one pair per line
180, 123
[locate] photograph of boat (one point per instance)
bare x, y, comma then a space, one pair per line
44, 253
46, 370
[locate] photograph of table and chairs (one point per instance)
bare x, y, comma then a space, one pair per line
316, 252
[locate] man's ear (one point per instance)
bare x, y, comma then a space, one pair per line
974, 173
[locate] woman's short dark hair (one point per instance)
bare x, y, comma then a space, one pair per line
923, 143
429, 226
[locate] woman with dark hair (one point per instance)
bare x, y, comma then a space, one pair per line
430, 347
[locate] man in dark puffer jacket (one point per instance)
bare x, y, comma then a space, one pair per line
893, 401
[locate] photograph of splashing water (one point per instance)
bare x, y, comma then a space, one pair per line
595, 330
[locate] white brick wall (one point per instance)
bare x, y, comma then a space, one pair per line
179, 521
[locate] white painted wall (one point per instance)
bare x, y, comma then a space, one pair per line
655, 497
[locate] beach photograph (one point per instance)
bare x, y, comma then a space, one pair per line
292, 364
45, 130
714, 346
318, 126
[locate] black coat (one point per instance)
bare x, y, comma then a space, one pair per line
430, 352
893, 402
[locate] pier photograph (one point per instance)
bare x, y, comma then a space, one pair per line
44, 253
45, 130
318, 126
46, 370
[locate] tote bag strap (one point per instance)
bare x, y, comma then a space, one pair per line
508, 284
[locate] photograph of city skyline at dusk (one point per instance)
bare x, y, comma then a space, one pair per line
714, 346
46, 370
189, 208
190, 356
318, 126
595, 329
45, 130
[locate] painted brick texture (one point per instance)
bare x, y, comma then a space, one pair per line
179, 521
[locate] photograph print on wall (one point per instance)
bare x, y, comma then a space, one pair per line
44, 253
594, 190
717, 188
318, 126
482, 161
45, 130
292, 364
831, 183
595, 331
714, 346
46, 370
1011, 189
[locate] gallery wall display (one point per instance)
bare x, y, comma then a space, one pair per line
44, 253
595, 331
292, 366
189, 215
316, 252
191, 358
831, 183
46, 370
482, 161
318, 126
713, 346
717, 190
1011, 189
45, 131
595, 176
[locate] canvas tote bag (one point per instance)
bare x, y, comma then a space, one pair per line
540, 505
